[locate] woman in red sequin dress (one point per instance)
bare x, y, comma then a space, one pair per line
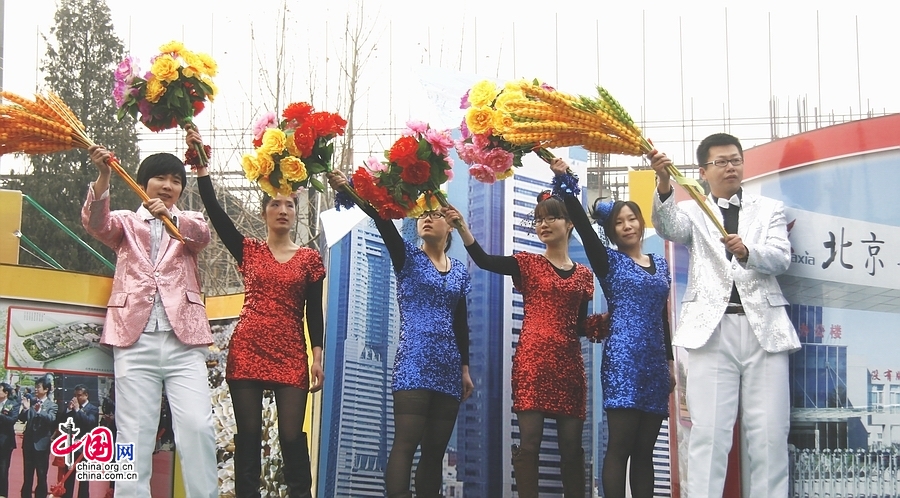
268, 347
548, 377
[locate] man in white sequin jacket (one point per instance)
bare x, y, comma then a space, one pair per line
733, 322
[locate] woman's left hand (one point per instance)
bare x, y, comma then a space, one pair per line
318, 377
467, 385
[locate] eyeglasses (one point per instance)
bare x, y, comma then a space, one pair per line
721, 163
434, 215
548, 220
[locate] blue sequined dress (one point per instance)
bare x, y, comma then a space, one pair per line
428, 356
635, 370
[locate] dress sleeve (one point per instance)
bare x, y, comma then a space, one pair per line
667, 332
228, 233
314, 320
582, 316
391, 237
593, 246
461, 329
504, 265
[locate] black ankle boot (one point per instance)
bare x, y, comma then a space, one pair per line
247, 466
296, 470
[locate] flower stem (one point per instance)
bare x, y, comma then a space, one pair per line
188, 124
442, 200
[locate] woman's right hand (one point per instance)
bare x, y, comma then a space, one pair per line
558, 166
100, 157
336, 179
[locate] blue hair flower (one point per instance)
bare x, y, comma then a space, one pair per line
602, 210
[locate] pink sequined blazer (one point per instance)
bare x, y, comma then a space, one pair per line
763, 229
174, 274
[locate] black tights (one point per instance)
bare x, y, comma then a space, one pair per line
568, 430
632, 434
246, 397
421, 417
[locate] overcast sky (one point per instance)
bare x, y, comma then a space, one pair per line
667, 62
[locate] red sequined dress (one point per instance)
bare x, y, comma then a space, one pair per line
548, 368
268, 343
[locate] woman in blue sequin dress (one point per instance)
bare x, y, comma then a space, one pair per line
636, 373
431, 368
548, 378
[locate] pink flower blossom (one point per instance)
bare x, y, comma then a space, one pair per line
449, 170
467, 152
417, 126
481, 140
498, 160
482, 173
126, 70
440, 141
464, 103
464, 130
119, 93
268, 120
374, 165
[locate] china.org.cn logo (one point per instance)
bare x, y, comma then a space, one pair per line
92, 454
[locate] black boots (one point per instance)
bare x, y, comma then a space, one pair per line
525, 467
247, 466
296, 470
572, 473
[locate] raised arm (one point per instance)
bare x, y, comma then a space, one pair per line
228, 233
389, 234
505, 265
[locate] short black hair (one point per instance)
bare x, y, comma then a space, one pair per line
83, 388
162, 163
714, 140
45, 383
6, 388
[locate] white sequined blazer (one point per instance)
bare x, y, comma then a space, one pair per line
763, 229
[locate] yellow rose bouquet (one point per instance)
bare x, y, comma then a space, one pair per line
171, 93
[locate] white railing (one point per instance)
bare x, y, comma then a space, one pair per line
845, 474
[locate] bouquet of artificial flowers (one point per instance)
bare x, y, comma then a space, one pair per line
491, 157
409, 182
171, 93
291, 151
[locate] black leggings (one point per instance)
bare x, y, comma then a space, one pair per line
632, 434
421, 417
246, 397
568, 430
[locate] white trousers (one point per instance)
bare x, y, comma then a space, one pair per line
157, 359
730, 372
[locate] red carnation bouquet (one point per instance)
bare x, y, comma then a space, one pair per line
409, 182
